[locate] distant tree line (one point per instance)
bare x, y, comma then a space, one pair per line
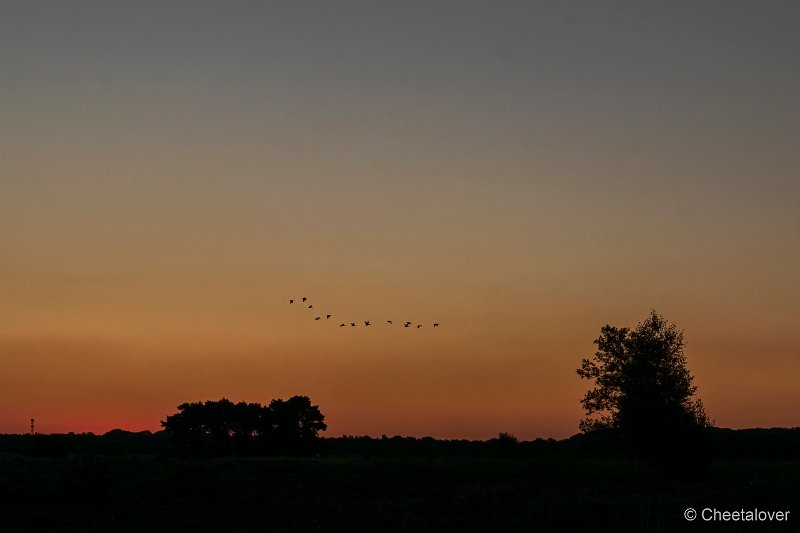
742, 445
221, 427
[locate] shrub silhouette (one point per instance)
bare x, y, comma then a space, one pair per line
505, 444
221, 427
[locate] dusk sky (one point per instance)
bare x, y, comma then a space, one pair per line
171, 173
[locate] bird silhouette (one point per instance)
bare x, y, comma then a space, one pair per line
406, 325
316, 318
291, 301
352, 324
304, 298
389, 321
341, 325
328, 316
311, 306
436, 325
366, 323
419, 326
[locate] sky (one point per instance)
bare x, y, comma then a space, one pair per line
172, 173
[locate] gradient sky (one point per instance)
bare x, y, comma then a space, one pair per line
523, 173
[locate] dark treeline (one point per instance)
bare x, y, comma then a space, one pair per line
743, 444
115, 442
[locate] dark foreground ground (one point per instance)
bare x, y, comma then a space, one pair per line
376, 485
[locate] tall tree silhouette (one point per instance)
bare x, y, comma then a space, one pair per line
642, 386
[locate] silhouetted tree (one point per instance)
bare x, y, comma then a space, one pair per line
295, 425
642, 386
505, 444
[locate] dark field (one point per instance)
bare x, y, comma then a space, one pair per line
370, 484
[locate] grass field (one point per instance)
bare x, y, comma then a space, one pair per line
544, 492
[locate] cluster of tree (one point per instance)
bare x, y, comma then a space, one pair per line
644, 392
215, 428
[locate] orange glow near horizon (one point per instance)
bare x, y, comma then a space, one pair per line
385, 380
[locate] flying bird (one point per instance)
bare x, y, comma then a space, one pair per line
291, 301
341, 325
304, 298
328, 316
389, 321
436, 325
311, 306
419, 326
352, 324
406, 325
366, 323
316, 318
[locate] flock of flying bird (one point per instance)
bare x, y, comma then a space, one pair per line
408, 324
